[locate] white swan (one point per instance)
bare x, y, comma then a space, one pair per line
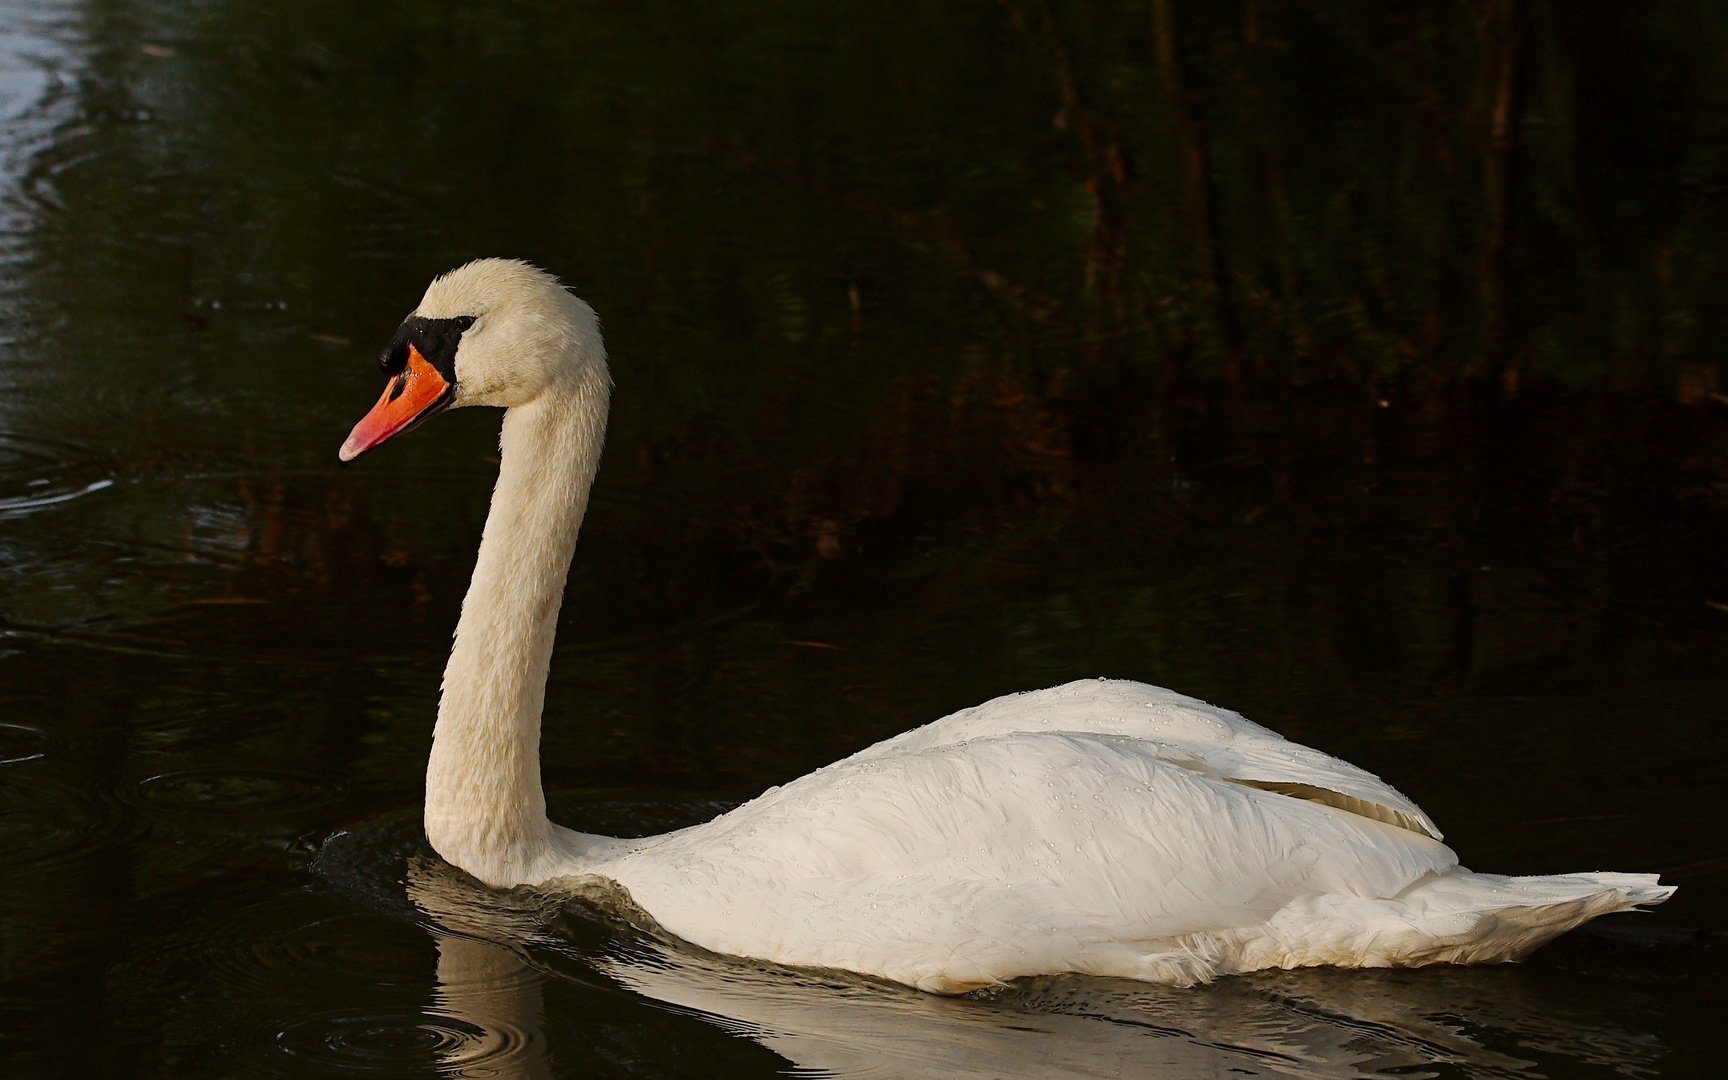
1104, 827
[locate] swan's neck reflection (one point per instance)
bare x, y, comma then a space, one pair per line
485, 984
494, 992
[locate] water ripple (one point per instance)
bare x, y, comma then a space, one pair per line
227, 792
19, 505
302, 984
48, 822
389, 1042
35, 474
23, 742
372, 1041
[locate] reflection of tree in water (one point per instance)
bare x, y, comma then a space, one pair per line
917, 295
493, 956
1272, 193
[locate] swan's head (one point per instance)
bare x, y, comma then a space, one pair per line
493, 332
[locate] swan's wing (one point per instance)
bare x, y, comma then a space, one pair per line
962, 865
1193, 731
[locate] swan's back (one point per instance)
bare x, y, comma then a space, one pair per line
1214, 739
966, 864
1109, 828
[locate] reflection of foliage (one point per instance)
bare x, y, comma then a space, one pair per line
961, 298
1284, 190
1522, 186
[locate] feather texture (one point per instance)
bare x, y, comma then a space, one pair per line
973, 851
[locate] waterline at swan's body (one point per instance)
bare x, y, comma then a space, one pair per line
1104, 827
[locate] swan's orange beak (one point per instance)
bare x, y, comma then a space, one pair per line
412, 395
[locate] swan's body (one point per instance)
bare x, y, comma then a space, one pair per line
1104, 827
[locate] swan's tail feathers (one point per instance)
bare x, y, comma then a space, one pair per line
1484, 918
1639, 890
1458, 917
1461, 890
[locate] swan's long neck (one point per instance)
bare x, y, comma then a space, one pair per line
485, 809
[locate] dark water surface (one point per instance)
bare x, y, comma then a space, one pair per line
926, 392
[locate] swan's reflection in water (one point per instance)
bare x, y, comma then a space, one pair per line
1483, 1022
491, 990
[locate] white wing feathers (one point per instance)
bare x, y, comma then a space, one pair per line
1196, 735
1109, 828
1011, 852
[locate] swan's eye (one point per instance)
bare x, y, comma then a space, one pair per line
462, 323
